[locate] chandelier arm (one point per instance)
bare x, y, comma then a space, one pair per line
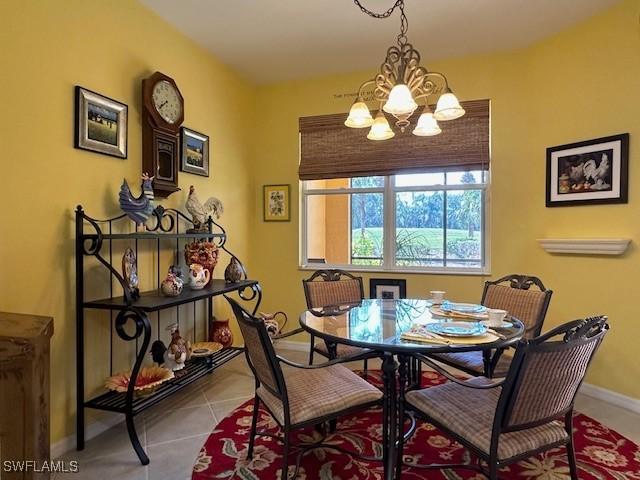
438, 75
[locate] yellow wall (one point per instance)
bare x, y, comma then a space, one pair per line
579, 84
109, 47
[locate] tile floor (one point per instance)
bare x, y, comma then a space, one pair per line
173, 431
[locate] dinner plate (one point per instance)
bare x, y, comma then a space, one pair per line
457, 329
462, 307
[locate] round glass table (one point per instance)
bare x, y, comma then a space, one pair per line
378, 325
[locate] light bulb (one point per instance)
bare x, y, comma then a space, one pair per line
427, 125
400, 101
359, 115
380, 130
448, 107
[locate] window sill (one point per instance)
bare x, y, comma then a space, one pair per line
415, 271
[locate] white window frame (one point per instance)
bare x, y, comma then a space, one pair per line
389, 191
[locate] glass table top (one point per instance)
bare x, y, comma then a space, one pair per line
379, 324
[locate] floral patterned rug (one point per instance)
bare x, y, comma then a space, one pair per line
601, 452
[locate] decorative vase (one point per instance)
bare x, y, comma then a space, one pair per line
172, 284
199, 276
220, 332
203, 253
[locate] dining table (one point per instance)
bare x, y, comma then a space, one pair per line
385, 326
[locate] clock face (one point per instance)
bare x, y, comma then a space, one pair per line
166, 101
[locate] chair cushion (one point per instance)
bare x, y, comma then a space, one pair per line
469, 413
341, 350
315, 393
473, 362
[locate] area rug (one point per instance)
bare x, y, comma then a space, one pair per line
601, 453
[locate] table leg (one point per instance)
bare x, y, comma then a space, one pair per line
389, 416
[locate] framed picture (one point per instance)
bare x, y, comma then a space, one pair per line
195, 152
590, 172
277, 203
101, 124
387, 288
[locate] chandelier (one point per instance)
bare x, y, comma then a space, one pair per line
399, 86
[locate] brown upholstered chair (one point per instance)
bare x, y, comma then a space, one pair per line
523, 302
526, 413
299, 396
328, 288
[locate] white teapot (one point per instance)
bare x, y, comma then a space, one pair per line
199, 276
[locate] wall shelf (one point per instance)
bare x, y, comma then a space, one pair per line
585, 246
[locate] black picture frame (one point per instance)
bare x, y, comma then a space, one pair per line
186, 165
95, 117
396, 283
591, 172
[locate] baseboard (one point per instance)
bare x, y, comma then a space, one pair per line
93, 430
611, 397
292, 345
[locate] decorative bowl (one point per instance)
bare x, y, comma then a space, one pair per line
204, 349
148, 380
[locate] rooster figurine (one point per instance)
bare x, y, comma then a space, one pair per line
200, 213
140, 208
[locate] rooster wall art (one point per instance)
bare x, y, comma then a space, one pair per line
139, 208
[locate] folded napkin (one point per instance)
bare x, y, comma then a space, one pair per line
417, 333
461, 315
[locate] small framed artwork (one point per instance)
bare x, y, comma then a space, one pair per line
195, 152
590, 172
277, 203
100, 124
387, 288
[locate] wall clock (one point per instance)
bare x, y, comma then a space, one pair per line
162, 115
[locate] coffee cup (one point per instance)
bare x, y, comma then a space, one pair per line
437, 296
496, 317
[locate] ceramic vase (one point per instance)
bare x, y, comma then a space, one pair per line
220, 332
203, 253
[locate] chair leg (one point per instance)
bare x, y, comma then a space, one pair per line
573, 467
366, 362
254, 426
285, 456
313, 342
493, 469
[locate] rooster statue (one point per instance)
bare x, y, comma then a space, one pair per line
200, 213
140, 208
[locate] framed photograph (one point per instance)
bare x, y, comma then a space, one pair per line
195, 152
590, 172
387, 288
101, 124
277, 203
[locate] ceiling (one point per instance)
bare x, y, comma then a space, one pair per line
274, 40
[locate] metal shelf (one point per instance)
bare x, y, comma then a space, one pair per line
193, 370
151, 236
154, 301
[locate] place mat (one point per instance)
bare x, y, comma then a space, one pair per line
462, 316
442, 340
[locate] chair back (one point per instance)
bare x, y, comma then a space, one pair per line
520, 300
327, 288
259, 350
547, 371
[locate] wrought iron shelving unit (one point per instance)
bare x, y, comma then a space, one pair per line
127, 310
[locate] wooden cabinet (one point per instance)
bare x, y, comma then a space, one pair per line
24, 391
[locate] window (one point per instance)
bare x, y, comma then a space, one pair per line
433, 222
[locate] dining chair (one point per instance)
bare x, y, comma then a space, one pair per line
328, 288
526, 413
298, 395
513, 293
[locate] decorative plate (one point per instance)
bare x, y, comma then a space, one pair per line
204, 349
148, 380
457, 329
462, 307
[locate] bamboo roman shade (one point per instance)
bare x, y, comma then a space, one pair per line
328, 149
